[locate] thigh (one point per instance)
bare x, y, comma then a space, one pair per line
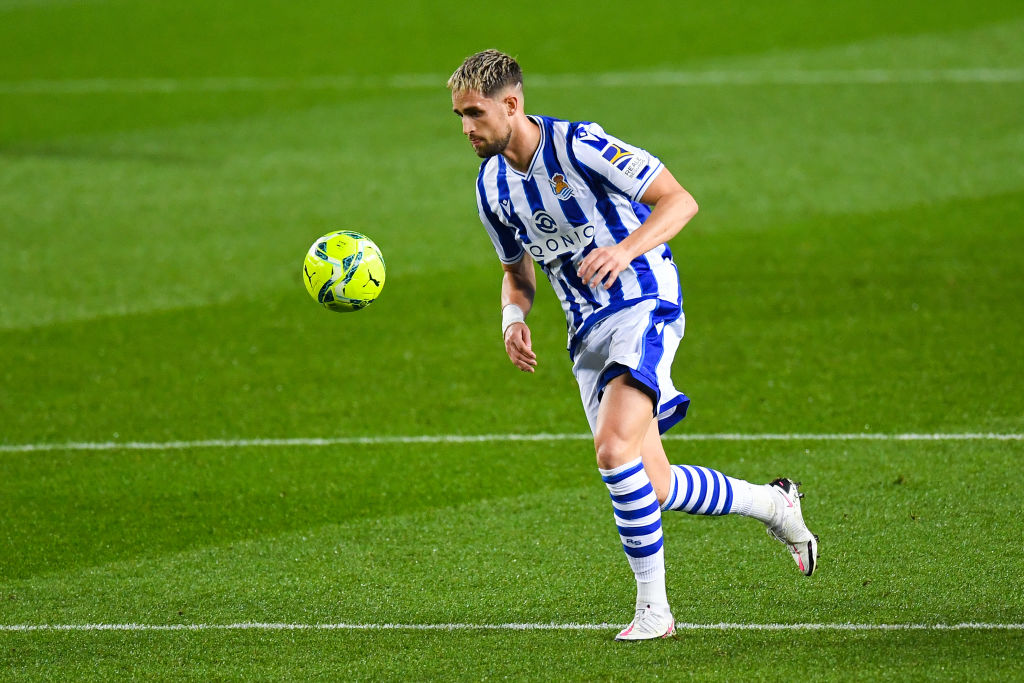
610, 348
623, 418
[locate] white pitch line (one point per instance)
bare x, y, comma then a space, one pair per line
677, 78
257, 626
474, 438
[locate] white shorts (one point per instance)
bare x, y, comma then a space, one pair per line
641, 340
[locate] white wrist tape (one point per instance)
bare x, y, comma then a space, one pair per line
509, 315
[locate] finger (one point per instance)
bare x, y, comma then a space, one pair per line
520, 344
610, 277
607, 269
600, 275
527, 363
522, 340
526, 355
588, 266
519, 349
524, 364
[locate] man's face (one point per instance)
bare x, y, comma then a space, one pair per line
485, 121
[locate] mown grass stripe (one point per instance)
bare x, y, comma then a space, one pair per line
607, 80
258, 626
475, 438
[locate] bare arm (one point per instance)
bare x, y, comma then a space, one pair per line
518, 286
673, 208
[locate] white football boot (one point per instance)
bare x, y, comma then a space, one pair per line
788, 526
649, 623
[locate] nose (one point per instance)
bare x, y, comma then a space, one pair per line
467, 125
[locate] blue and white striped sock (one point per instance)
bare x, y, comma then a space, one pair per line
704, 491
638, 518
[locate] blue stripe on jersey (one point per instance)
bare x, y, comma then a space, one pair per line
532, 194
506, 236
640, 210
570, 207
573, 213
567, 295
648, 282
504, 197
594, 178
604, 204
615, 297
568, 272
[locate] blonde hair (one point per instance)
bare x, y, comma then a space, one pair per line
488, 72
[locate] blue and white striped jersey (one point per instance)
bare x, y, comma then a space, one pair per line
581, 192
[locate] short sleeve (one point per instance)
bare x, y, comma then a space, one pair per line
627, 168
503, 237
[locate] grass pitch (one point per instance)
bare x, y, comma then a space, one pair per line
855, 268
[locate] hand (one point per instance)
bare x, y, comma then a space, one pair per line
603, 265
519, 348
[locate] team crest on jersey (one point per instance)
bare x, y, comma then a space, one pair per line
560, 187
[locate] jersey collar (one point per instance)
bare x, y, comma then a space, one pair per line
537, 154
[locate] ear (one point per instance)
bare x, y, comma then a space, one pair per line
511, 103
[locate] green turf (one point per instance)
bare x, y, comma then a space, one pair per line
900, 656
855, 268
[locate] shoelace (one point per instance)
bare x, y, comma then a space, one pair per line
645, 620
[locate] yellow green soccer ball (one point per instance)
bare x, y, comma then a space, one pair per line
344, 271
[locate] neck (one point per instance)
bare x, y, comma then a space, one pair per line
523, 144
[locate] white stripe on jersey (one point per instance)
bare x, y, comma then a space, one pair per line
581, 191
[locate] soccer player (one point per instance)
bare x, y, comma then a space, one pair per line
596, 212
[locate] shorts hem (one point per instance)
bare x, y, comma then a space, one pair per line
673, 412
648, 386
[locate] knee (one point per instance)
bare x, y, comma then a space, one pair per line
612, 451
